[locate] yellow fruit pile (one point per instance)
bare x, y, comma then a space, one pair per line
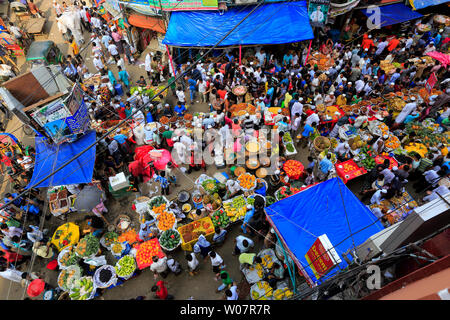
267, 261
281, 294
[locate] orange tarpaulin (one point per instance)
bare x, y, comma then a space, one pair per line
145, 22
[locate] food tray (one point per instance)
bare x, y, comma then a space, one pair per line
60, 255
251, 188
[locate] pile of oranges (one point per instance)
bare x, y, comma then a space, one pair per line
166, 220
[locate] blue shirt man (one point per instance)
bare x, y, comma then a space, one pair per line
179, 109
120, 138
325, 165
307, 131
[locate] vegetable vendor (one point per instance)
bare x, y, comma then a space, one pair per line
146, 231
202, 246
232, 188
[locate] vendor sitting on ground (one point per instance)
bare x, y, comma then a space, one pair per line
248, 259
93, 224
243, 244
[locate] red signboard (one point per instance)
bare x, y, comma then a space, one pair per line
320, 258
431, 82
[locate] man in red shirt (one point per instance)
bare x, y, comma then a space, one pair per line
10, 257
161, 291
393, 44
367, 42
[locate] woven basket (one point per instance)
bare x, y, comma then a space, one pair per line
319, 139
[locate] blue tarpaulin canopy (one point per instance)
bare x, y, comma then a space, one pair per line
272, 23
321, 209
50, 158
391, 14
420, 4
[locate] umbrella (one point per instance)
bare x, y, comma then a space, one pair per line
88, 198
35, 288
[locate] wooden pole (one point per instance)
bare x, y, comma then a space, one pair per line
240, 54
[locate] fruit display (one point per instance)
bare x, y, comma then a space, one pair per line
129, 236
368, 163
355, 143
427, 133
166, 220
210, 186
392, 142
290, 148
293, 168
67, 277
146, 251
396, 104
117, 248
235, 208
261, 291
87, 246
160, 209
108, 239
190, 232
67, 257
170, 239
220, 218
247, 181
283, 192
281, 294
267, 261
418, 148
239, 90
331, 111
287, 137
156, 202
83, 289
259, 270
126, 266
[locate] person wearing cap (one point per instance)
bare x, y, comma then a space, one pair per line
377, 196
367, 42
342, 151
179, 109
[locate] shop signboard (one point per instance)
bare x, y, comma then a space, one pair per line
174, 5
318, 12
338, 8
53, 111
321, 256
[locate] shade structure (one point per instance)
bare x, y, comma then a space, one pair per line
51, 157
322, 209
147, 22
420, 4
272, 23
391, 14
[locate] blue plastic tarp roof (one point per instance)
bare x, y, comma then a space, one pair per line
272, 23
420, 4
301, 218
50, 158
392, 14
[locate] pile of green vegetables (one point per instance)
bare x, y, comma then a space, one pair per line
368, 162
210, 186
169, 239
220, 218
125, 266
239, 202
83, 289
87, 246
156, 202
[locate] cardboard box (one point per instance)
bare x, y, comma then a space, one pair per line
119, 181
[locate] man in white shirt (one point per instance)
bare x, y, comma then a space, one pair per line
261, 56
232, 293
388, 175
112, 49
180, 95
297, 107
359, 85
380, 47
312, 118
216, 261
159, 266
98, 64
243, 244
376, 198
192, 263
